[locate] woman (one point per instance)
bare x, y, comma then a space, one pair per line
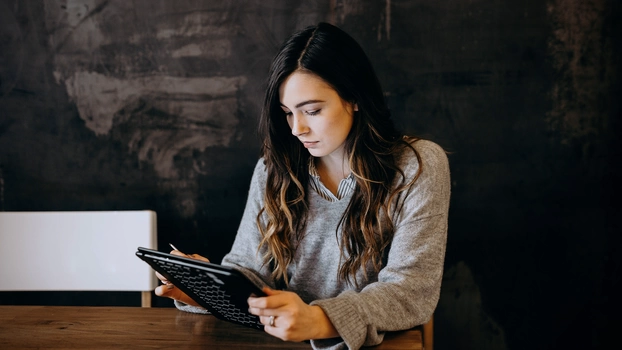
346, 219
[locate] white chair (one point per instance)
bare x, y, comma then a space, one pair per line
77, 251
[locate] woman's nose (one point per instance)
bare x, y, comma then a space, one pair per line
299, 127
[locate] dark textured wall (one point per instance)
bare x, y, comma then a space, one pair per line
112, 105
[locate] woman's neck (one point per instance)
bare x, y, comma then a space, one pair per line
332, 170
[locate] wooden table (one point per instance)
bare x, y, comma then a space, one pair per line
72, 327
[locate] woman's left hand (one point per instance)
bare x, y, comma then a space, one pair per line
293, 319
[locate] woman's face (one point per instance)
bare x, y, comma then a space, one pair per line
316, 114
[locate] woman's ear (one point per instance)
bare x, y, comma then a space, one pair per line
356, 107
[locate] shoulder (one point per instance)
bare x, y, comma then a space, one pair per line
426, 163
260, 166
260, 174
430, 155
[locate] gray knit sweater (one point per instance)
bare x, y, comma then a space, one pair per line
405, 292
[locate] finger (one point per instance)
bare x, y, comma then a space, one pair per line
162, 278
199, 257
164, 290
274, 301
253, 302
257, 303
192, 256
276, 330
178, 253
170, 291
270, 291
262, 312
265, 320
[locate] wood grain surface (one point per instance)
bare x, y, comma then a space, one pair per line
70, 327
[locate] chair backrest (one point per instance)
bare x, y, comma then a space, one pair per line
76, 251
428, 334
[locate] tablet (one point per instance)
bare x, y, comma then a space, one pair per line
221, 290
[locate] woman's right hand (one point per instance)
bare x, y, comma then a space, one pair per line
168, 290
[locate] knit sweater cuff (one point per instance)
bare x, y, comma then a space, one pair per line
346, 319
190, 308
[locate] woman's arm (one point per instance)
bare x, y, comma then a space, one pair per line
408, 286
292, 318
243, 255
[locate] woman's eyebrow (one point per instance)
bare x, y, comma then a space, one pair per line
304, 103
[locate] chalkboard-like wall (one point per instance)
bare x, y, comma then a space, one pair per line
113, 105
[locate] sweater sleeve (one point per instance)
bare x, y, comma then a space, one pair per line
244, 255
408, 286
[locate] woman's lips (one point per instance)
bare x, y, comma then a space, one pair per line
309, 144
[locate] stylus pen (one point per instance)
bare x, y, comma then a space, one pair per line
186, 255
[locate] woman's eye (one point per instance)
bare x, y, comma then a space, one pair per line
287, 114
317, 111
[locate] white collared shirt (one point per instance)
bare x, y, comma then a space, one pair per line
346, 185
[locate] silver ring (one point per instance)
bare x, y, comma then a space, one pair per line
271, 323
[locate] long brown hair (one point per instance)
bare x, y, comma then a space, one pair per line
373, 145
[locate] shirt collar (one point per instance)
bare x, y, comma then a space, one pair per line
313, 170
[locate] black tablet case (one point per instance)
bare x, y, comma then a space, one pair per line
221, 290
